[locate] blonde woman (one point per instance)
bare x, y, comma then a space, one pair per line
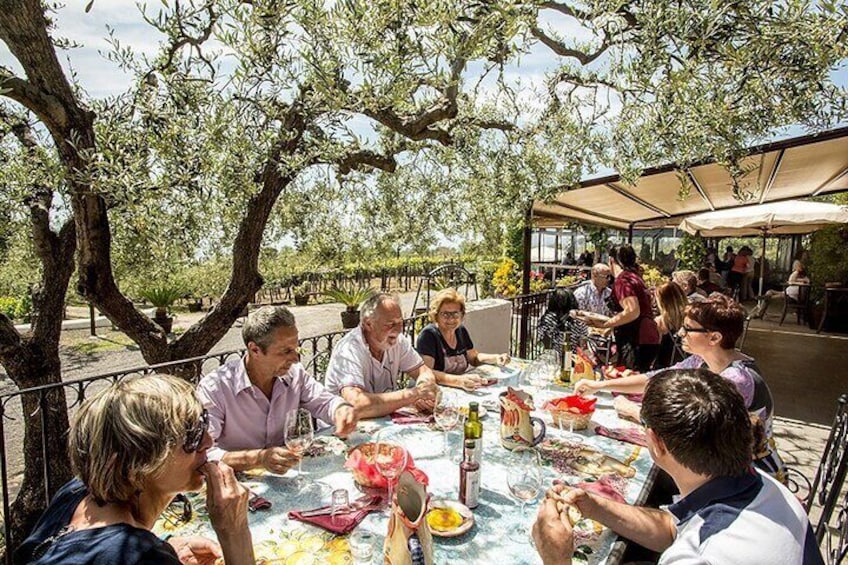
671, 303
446, 347
134, 446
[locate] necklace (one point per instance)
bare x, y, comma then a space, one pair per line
42, 548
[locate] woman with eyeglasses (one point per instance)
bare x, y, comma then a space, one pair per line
709, 332
133, 447
446, 347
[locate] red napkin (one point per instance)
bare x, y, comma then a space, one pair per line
604, 487
342, 523
629, 435
572, 403
407, 418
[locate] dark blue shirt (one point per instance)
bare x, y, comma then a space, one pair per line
115, 544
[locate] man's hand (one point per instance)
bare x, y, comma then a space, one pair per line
345, 419
427, 390
584, 386
226, 498
579, 498
553, 535
196, 550
278, 459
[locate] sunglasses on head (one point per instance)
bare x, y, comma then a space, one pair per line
194, 433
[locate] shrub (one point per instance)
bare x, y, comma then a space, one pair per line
506, 280
16, 308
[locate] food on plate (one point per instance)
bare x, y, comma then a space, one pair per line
444, 519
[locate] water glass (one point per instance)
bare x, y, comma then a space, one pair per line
339, 503
361, 545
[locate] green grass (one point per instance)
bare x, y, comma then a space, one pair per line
108, 341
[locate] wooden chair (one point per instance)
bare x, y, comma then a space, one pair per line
800, 305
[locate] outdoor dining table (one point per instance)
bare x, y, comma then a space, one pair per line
278, 539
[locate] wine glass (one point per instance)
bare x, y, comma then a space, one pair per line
390, 458
447, 417
298, 436
524, 479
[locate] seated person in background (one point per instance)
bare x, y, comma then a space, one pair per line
446, 347
134, 446
727, 513
671, 303
710, 331
706, 283
594, 294
250, 399
688, 281
556, 320
797, 277
366, 365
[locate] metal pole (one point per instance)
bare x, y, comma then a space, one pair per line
92, 324
763, 262
528, 234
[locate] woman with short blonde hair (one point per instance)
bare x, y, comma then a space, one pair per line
134, 446
446, 347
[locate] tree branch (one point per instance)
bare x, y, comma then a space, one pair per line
564, 51
47, 108
10, 339
363, 159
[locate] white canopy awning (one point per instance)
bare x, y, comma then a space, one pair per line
793, 168
790, 217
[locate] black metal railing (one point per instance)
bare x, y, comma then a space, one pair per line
527, 310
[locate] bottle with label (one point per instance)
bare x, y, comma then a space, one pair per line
469, 477
565, 374
474, 431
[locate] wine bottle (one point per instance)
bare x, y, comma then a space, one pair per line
565, 374
469, 477
473, 431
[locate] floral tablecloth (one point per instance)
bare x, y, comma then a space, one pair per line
280, 540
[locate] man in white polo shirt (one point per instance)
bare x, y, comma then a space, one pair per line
699, 432
366, 365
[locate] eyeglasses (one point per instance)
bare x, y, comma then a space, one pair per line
194, 433
451, 315
178, 511
687, 330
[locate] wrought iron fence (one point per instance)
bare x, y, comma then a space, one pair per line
315, 355
527, 310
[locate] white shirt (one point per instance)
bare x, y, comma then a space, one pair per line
748, 520
351, 364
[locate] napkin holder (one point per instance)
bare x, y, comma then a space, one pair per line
409, 541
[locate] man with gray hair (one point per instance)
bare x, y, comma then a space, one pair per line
365, 365
250, 399
593, 294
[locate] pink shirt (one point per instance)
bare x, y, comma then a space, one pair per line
242, 417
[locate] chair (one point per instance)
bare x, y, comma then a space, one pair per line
830, 477
799, 305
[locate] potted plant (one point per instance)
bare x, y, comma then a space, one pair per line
351, 298
301, 293
162, 297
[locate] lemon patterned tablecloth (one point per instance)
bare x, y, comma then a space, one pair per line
280, 540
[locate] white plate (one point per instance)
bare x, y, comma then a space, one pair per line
463, 510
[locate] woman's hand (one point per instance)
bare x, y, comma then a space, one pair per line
502, 359
470, 382
195, 550
584, 387
226, 502
226, 498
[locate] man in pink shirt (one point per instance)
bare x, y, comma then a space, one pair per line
250, 399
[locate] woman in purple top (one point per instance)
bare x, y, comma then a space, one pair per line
710, 331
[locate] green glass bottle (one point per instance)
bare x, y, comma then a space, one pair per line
474, 431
